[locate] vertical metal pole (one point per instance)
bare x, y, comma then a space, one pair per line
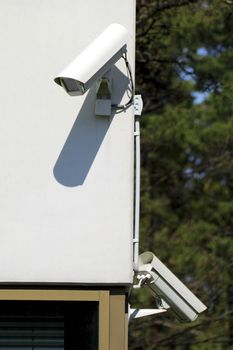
137, 192
138, 105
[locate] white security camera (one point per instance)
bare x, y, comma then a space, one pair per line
168, 288
94, 61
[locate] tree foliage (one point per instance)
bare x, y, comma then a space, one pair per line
184, 72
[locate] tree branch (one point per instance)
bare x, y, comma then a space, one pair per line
161, 6
165, 5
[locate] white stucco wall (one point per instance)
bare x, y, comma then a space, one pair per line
66, 179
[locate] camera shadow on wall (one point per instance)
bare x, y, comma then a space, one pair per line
86, 136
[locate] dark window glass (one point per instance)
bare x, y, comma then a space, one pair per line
42, 325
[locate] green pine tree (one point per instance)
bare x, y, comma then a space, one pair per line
185, 49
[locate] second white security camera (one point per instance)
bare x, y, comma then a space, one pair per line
94, 61
165, 286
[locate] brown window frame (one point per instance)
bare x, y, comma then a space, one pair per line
113, 321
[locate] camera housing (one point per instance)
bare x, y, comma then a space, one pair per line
94, 61
166, 287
